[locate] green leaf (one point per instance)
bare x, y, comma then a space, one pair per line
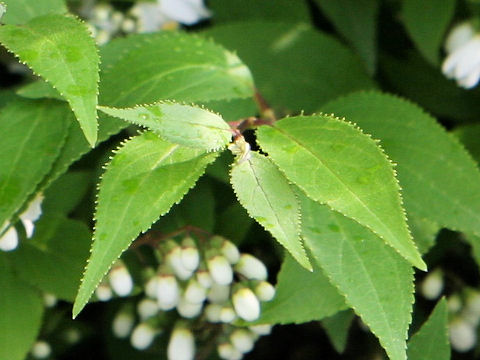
180, 124
61, 50
468, 136
38, 90
145, 178
268, 198
281, 10
175, 66
356, 20
36, 132
334, 163
305, 67
431, 341
301, 296
425, 153
337, 327
66, 192
426, 23
21, 311
54, 258
22, 11
449, 100
424, 232
376, 282
234, 223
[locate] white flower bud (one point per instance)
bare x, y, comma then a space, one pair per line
122, 324
174, 259
264, 329
190, 254
212, 312
9, 239
142, 336
204, 278
462, 336
41, 350
181, 345
189, 310
264, 291
31, 214
432, 285
243, 340
103, 292
227, 315
454, 303
228, 352
218, 293
230, 251
147, 308
246, 304
195, 293
128, 25
168, 293
251, 267
220, 270
473, 302
72, 336
151, 287
49, 300
120, 280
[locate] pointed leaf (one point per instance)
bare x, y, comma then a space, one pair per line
376, 282
301, 296
337, 326
424, 152
263, 190
171, 65
61, 50
53, 260
36, 132
431, 341
336, 164
22, 11
356, 20
21, 310
145, 178
426, 23
180, 124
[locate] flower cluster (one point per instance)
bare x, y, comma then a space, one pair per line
463, 55
463, 307
209, 284
145, 16
8, 233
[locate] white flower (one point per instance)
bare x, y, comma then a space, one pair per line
264, 329
195, 292
264, 291
463, 336
432, 286
142, 336
220, 269
246, 304
174, 259
147, 308
186, 12
103, 292
168, 293
251, 267
212, 312
189, 310
228, 352
218, 293
181, 345
227, 315
190, 254
41, 350
454, 303
49, 300
120, 280
243, 340
122, 324
463, 60
149, 16
230, 251
204, 278
9, 239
